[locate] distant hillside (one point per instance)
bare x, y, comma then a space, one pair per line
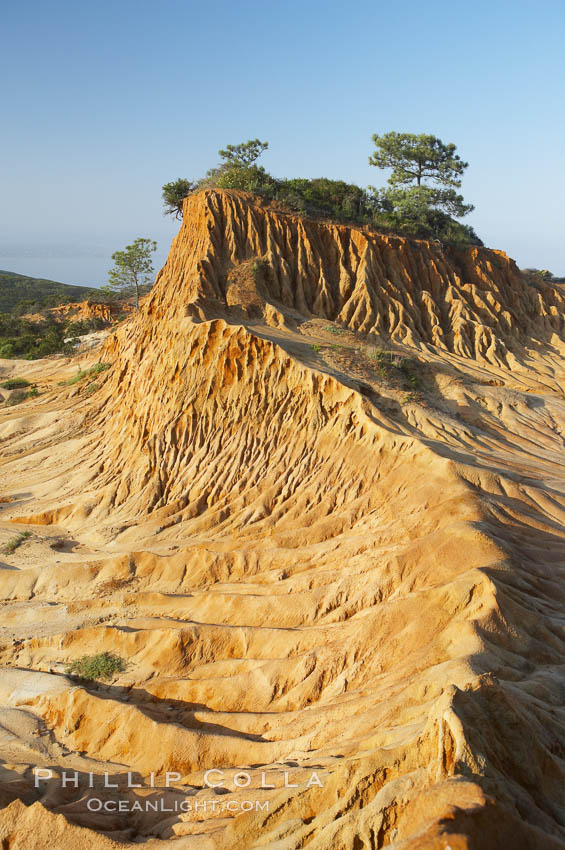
47, 293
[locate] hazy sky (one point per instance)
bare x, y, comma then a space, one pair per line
103, 102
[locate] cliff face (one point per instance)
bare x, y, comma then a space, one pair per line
234, 261
472, 301
314, 554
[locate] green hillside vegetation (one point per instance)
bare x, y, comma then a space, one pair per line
420, 200
29, 294
29, 339
26, 339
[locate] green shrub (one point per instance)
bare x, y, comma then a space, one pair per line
421, 211
409, 369
27, 339
80, 376
16, 541
321, 197
380, 362
391, 366
376, 354
104, 665
97, 368
69, 348
86, 373
84, 326
15, 384
251, 178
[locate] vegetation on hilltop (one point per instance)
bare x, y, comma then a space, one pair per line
420, 210
542, 276
421, 197
21, 293
174, 194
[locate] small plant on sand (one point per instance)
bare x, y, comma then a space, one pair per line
15, 384
16, 541
259, 266
91, 388
316, 347
86, 373
379, 358
97, 368
409, 398
376, 354
409, 367
104, 665
391, 367
80, 375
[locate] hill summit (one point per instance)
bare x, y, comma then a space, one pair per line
15, 288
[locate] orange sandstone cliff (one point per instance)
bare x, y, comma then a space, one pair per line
316, 503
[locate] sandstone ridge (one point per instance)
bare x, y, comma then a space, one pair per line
470, 301
316, 501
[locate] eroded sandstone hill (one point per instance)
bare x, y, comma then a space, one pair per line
106, 313
316, 502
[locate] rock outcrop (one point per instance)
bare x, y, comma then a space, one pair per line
316, 502
469, 301
84, 310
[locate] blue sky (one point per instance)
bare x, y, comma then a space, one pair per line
103, 102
